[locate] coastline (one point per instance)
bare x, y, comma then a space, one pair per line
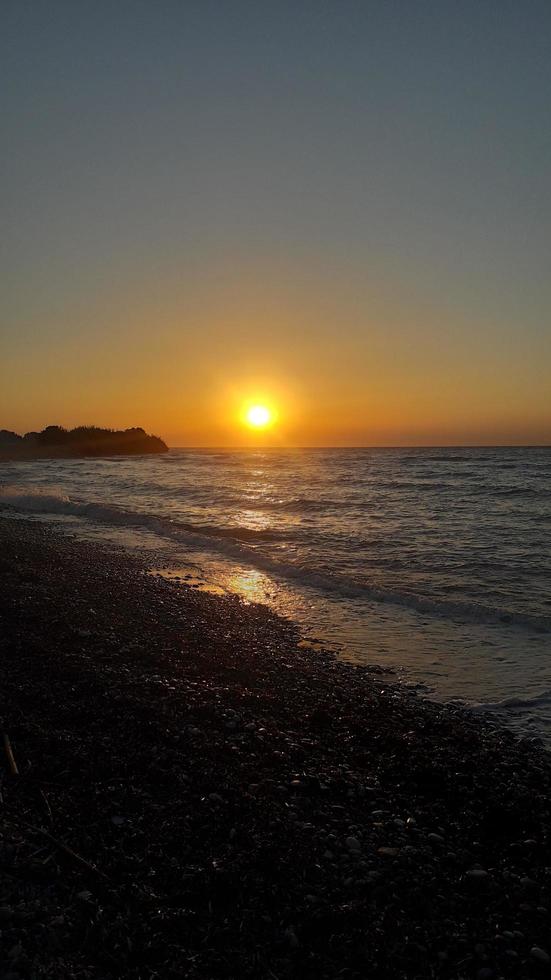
200, 795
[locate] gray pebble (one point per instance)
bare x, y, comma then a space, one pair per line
540, 956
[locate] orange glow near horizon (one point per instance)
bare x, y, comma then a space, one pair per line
368, 385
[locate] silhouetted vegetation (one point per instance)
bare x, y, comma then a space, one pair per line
8, 438
84, 440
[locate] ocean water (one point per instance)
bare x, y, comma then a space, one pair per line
433, 563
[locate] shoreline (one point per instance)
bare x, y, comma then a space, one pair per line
200, 795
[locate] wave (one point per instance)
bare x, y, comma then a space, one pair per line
515, 701
291, 505
423, 457
538, 492
57, 503
238, 543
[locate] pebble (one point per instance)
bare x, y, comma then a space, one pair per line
291, 937
388, 851
477, 874
353, 844
540, 956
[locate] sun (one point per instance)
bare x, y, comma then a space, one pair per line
258, 417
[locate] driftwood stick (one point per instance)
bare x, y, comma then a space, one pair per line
10, 756
69, 850
46, 803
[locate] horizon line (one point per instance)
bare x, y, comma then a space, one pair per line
481, 445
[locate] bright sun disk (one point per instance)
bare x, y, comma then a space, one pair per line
258, 416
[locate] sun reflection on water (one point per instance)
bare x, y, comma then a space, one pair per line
251, 584
254, 520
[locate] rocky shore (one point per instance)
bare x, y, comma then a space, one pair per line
187, 792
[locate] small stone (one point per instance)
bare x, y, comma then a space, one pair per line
291, 937
353, 844
435, 839
477, 874
390, 852
540, 956
118, 821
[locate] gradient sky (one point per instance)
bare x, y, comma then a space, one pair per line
343, 208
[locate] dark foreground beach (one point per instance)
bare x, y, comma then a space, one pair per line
199, 796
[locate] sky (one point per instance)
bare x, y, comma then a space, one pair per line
339, 209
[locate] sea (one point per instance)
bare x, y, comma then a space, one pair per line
433, 564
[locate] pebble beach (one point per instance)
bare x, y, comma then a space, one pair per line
189, 790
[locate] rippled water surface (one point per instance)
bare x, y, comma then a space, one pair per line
433, 561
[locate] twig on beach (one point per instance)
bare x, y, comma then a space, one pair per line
46, 803
10, 756
69, 850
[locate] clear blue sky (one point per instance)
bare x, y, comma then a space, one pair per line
345, 204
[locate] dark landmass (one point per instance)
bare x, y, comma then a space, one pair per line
198, 796
85, 440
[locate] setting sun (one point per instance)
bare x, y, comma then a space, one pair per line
259, 417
